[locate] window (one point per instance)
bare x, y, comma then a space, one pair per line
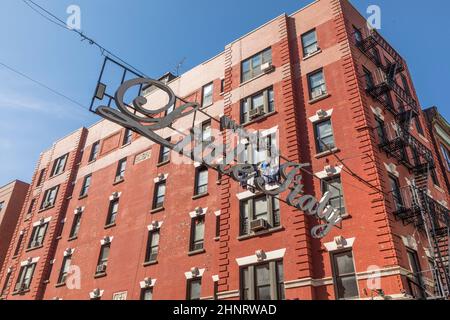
218, 226
376, 56
434, 177
152, 246
194, 287
127, 137
64, 269
103, 258
37, 236
86, 185
94, 151
31, 207
147, 294
160, 193
120, 173
358, 36
396, 192
25, 277
369, 78
317, 87
257, 105
418, 285
41, 178
324, 136
263, 282
49, 198
309, 42
164, 154
334, 186
207, 95
19, 244
206, 132
253, 66
419, 127
381, 132
344, 275
405, 85
388, 100
201, 181
5, 285
264, 208
446, 154
112, 212
59, 165
197, 234
2, 204
222, 86
75, 226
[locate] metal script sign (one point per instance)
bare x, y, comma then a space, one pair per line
146, 122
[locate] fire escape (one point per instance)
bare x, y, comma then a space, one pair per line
413, 205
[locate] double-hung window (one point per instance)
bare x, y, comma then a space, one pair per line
396, 192
446, 154
147, 294
334, 186
201, 181
75, 226
112, 212
103, 258
317, 86
59, 165
49, 198
164, 154
152, 246
37, 236
94, 151
120, 173
194, 287
369, 79
380, 129
309, 43
64, 269
197, 234
345, 281
257, 105
263, 281
25, 277
86, 185
207, 95
324, 136
254, 66
263, 207
159, 196
127, 137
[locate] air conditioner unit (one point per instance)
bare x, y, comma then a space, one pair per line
101, 268
317, 93
267, 67
258, 225
255, 113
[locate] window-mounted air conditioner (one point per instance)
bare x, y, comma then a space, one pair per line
258, 225
267, 67
257, 112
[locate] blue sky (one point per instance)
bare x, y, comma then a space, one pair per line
154, 36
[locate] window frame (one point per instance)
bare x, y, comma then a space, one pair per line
252, 69
47, 195
121, 169
164, 152
113, 212
95, 150
59, 165
66, 263
189, 288
446, 153
396, 191
199, 244
336, 277
150, 246
22, 276
41, 177
156, 205
76, 224
127, 137
102, 261
205, 98
19, 244
325, 187
322, 86
144, 291
245, 219
315, 43
319, 148
197, 186
277, 289
35, 235
87, 181
269, 106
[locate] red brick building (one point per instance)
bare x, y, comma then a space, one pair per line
12, 197
117, 217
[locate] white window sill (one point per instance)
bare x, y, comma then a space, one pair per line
312, 54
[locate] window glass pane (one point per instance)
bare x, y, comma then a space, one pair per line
245, 209
262, 281
280, 281
245, 284
256, 63
148, 294
195, 289
261, 208
155, 238
271, 101
344, 263
267, 56
316, 79
258, 101
347, 287
199, 229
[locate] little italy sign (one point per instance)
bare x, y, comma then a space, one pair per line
146, 122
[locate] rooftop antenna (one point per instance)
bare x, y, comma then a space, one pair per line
178, 67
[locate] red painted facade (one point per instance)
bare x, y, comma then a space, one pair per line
371, 237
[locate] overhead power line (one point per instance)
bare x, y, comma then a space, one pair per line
44, 86
49, 16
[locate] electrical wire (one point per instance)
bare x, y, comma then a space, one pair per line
59, 22
44, 86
